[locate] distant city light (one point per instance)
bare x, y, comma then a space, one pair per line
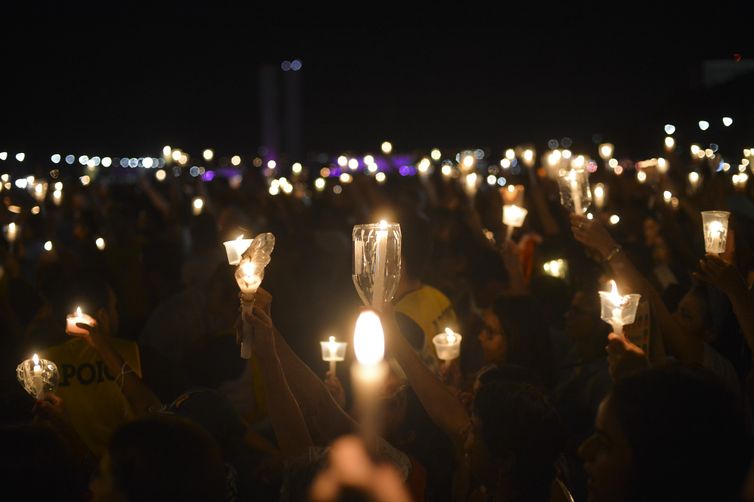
669, 128
20, 156
235, 160
107, 162
703, 125
380, 177
727, 121
208, 154
48, 246
55, 158
435, 154
271, 164
296, 168
386, 147
160, 175
100, 243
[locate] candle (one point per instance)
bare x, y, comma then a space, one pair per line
599, 195
618, 310
369, 372
513, 217
57, 197
248, 279
575, 192
378, 294
693, 181
447, 345
471, 184
37, 381
715, 227
197, 206
11, 232
606, 151
236, 248
333, 351
528, 157
667, 196
78, 317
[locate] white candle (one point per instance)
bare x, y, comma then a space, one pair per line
11, 232
575, 191
369, 372
378, 291
249, 281
236, 248
197, 206
78, 317
37, 379
599, 195
447, 345
715, 226
616, 309
333, 351
513, 217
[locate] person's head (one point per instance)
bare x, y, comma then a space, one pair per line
516, 438
493, 338
94, 295
668, 433
583, 324
693, 313
160, 459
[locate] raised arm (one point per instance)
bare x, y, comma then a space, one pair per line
287, 419
441, 405
325, 419
729, 280
593, 235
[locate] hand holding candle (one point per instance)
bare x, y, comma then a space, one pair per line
249, 275
78, 317
447, 345
618, 310
37, 375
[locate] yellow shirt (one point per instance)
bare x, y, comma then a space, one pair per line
93, 400
432, 311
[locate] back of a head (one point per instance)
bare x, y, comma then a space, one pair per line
687, 434
416, 243
166, 459
519, 420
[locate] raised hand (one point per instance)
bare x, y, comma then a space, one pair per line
721, 274
623, 357
592, 234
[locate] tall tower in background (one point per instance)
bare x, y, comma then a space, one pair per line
288, 139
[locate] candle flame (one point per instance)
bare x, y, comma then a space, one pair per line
78, 311
450, 335
368, 338
247, 268
715, 227
239, 237
383, 225
35, 358
615, 296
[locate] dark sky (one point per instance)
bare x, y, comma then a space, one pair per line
128, 82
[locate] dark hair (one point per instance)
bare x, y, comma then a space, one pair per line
166, 458
88, 289
687, 434
519, 420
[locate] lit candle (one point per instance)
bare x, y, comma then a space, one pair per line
513, 217
715, 227
575, 191
470, 184
369, 373
667, 196
447, 345
599, 195
248, 280
618, 310
197, 206
11, 232
78, 317
37, 379
693, 181
57, 197
236, 248
556, 268
378, 295
333, 351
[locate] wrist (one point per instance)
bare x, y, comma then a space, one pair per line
610, 252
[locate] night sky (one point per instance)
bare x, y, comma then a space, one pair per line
129, 82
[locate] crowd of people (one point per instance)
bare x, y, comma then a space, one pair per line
545, 402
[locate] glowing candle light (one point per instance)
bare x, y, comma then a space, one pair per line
556, 268
333, 351
369, 373
378, 296
38, 382
599, 194
37, 375
694, 181
11, 232
100, 243
618, 310
78, 317
715, 227
235, 248
447, 345
513, 217
197, 206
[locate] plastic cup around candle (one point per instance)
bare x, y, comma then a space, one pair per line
715, 227
235, 249
78, 317
45, 378
376, 262
448, 346
618, 313
333, 351
575, 194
